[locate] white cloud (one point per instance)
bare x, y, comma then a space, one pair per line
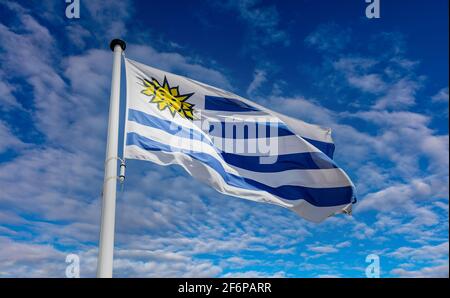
175, 62
78, 35
110, 17
396, 196
147, 263
259, 78
301, 108
344, 244
370, 83
418, 140
263, 22
329, 38
436, 148
8, 101
323, 249
329, 276
435, 256
400, 95
441, 96
426, 252
362, 231
30, 259
439, 271
254, 274
9, 140
38, 260
442, 205
357, 73
390, 77
328, 248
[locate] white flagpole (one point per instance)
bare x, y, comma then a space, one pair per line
106, 247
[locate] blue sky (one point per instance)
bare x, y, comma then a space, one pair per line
380, 84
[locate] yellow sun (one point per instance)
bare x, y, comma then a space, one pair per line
167, 97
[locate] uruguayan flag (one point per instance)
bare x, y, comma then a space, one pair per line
237, 146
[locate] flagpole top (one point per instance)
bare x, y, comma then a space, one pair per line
119, 42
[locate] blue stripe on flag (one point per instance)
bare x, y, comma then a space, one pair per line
296, 161
262, 129
327, 148
226, 104
320, 197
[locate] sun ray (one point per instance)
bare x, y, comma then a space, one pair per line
167, 97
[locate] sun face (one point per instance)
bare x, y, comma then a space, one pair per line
166, 97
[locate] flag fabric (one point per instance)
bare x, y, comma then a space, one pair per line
238, 147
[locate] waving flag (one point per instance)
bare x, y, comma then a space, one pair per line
237, 146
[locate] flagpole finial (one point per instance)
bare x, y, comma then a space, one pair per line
119, 42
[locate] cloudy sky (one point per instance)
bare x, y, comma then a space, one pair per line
381, 85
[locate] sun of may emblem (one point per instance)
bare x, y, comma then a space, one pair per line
166, 97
